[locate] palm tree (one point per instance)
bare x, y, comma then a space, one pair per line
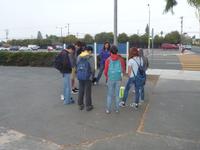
171, 3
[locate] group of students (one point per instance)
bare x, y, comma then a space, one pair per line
77, 61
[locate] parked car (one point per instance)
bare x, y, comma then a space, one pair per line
14, 48
24, 48
59, 47
49, 48
33, 47
187, 47
4, 49
169, 46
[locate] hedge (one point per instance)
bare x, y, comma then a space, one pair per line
34, 59
37, 59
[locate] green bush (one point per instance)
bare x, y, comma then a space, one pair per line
39, 59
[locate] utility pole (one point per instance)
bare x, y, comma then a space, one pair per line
61, 33
7, 32
68, 28
115, 22
181, 32
149, 28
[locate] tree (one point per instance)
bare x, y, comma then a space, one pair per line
158, 40
171, 3
69, 39
123, 38
103, 36
88, 39
39, 35
173, 37
147, 30
134, 40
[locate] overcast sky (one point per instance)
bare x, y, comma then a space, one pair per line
23, 18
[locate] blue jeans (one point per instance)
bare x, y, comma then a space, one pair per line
139, 91
100, 73
113, 88
67, 88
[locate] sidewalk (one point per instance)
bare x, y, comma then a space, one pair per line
168, 120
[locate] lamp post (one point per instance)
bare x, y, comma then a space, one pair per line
115, 22
149, 28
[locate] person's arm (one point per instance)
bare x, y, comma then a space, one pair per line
106, 68
123, 65
129, 71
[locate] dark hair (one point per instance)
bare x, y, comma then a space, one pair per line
105, 44
133, 52
78, 43
88, 48
113, 49
71, 47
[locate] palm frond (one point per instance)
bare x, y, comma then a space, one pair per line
169, 5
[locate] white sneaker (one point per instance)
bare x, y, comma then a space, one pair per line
122, 104
107, 111
62, 97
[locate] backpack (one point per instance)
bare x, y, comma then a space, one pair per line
83, 69
114, 70
62, 61
140, 77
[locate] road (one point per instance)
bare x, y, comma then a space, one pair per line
174, 60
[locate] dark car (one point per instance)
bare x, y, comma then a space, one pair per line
14, 48
169, 46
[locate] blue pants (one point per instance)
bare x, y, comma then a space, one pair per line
139, 91
113, 89
67, 88
100, 73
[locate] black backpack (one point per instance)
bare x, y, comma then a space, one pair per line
61, 61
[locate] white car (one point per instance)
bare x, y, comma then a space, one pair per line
24, 48
4, 49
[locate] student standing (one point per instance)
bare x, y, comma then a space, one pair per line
114, 67
133, 65
104, 54
85, 71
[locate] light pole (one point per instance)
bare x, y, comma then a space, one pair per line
61, 28
115, 22
149, 28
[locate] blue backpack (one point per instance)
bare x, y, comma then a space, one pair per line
114, 70
83, 69
140, 77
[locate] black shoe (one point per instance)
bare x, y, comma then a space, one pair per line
89, 108
81, 107
74, 92
76, 89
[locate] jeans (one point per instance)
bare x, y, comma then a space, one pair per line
139, 91
113, 88
100, 73
67, 88
85, 88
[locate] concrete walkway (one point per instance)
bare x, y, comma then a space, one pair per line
32, 115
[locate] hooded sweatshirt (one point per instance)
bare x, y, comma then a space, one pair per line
90, 58
114, 57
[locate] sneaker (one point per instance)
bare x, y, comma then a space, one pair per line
117, 111
89, 108
74, 92
76, 89
95, 83
122, 104
62, 97
81, 107
136, 106
107, 111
